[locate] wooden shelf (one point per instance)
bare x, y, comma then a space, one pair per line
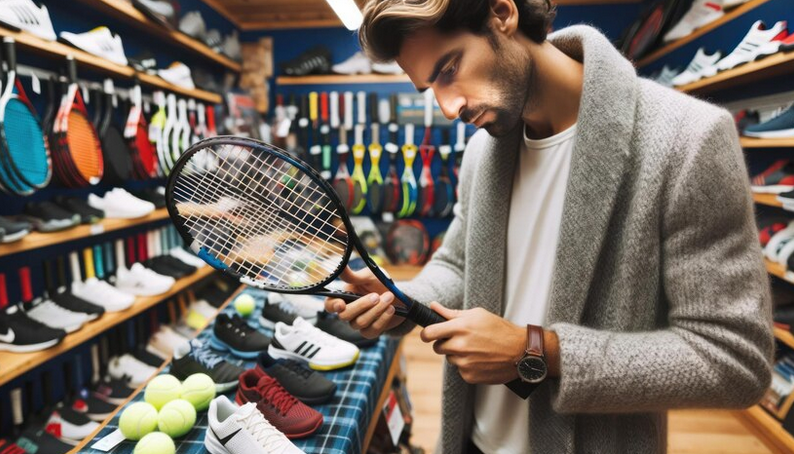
129, 14
38, 240
751, 142
402, 272
731, 15
784, 336
775, 269
16, 364
767, 199
768, 429
46, 48
774, 65
343, 79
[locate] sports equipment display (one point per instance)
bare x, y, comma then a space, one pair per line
162, 389
759, 42
243, 430
155, 443
137, 420
199, 390
244, 304
176, 418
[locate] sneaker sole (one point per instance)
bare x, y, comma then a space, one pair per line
777, 134
283, 354
28, 348
218, 344
11, 237
212, 444
771, 189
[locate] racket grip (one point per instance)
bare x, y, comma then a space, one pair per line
11, 53
423, 315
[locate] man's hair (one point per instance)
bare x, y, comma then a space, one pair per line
388, 22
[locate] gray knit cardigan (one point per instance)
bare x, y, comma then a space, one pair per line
659, 296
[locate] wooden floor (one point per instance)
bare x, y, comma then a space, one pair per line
691, 431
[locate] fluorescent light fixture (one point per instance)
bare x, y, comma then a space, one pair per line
348, 13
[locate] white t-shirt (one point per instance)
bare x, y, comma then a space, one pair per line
501, 419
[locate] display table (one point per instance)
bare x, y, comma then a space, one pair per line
349, 418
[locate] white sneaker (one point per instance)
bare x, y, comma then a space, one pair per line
178, 74
305, 306
666, 76
71, 426
25, 15
303, 342
358, 63
243, 430
758, 42
778, 241
701, 13
102, 294
387, 68
231, 46
163, 342
141, 281
187, 257
100, 42
120, 204
50, 314
193, 25
729, 4
130, 369
701, 66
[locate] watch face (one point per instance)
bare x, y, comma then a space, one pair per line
532, 369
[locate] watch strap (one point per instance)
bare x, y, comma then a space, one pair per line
535, 340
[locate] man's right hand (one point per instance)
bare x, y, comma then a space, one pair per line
372, 314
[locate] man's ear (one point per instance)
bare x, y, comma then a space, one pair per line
504, 16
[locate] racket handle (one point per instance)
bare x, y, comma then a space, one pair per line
423, 315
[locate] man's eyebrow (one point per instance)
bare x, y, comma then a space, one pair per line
454, 53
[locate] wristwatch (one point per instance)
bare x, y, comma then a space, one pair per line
532, 366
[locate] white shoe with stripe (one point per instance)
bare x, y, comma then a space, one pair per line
304, 342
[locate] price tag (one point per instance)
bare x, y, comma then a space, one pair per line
109, 442
394, 418
97, 229
35, 84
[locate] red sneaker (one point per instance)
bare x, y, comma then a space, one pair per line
289, 415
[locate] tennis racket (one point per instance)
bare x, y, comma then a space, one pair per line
444, 191
408, 179
407, 243
26, 152
343, 185
303, 127
164, 153
157, 131
375, 178
426, 193
325, 137
136, 134
118, 163
212, 131
359, 180
316, 150
281, 226
391, 185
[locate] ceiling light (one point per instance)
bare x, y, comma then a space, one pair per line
348, 13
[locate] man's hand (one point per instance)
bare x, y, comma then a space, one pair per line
483, 346
372, 314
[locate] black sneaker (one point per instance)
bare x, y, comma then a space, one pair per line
215, 296
151, 195
169, 266
145, 62
306, 385
314, 61
68, 300
149, 358
88, 214
194, 358
69, 425
21, 334
49, 217
38, 440
113, 391
13, 230
276, 310
92, 406
235, 335
164, 12
331, 324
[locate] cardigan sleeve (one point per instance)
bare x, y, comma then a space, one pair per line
717, 346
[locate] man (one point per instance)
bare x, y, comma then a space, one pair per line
611, 211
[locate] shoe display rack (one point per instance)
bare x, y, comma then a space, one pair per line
54, 49
327, 79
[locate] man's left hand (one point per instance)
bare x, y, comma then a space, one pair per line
483, 346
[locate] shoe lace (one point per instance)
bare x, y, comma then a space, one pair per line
295, 367
262, 431
275, 394
205, 357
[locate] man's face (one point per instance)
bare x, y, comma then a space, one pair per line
485, 80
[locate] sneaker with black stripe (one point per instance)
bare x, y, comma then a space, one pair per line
304, 342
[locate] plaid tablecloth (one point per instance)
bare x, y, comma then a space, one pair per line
346, 416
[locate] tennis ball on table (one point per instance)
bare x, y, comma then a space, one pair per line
176, 418
199, 390
138, 420
155, 443
245, 304
161, 390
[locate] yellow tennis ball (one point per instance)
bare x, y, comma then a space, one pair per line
161, 390
199, 390
138, 420
245, 304
155, 443
176, 418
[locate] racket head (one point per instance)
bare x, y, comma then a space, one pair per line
27, 147
144, 151
248, 216
407, 243
83, 148
443, 197
344, 190
375, 196
391, 191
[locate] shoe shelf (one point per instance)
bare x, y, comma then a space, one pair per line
767, 199
13, 365
727, 17
124, 11
784, 336
402, 272
36, 240
59, 50
751, 142
767, 428
774, 65
343, 79
776, 269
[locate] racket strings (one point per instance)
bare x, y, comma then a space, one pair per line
26, 144
289, 223
83, 147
